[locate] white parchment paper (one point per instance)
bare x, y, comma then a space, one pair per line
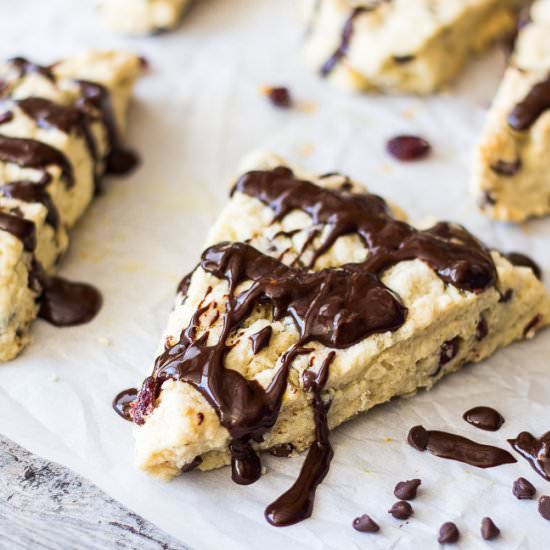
196, 114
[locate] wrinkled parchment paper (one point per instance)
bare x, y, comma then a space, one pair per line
196, 114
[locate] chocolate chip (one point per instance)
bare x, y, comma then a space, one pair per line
449, 350
544, 507
6, 117
197, 461
523, 489
489, 530
365, 524
507, 296
505, 168
407, 148
403, 59
282, 451
522, 260
418, 438
487, 199
482, 329
406, 490
529, 330
280, 97
200, 418
448, 533
401, 510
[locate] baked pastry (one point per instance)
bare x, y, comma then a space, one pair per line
510, 175
315, 296
413, 46
142, 16
60, 129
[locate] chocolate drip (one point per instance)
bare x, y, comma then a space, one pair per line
123, 403
30, 153
484, 418
335, 307
535, 450
455, 447
342, 50
261, 339
296, 504
28, 191
65, 303
120, 161
521, 260
19, 227
537, 101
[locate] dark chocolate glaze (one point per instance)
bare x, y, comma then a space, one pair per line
122, 403
342, 50
195, 463
296, 504
28, 191
527, 111
535, 450
334, 307
456, 447
65, 303
484, 418
19, 227
120, 161
261, 339
521, 260
30, 153
6, 117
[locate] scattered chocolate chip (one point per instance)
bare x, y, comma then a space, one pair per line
489, 530
406, 490
407, 148
521, 260
523, 489
448, 533
403, 59
544, 507
6, 117
484, 418
505, 168
482, 329
365, 524
418, 438
282, 451
401, 510
280, 97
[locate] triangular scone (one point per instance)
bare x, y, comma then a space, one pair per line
404, 45
510, 176
59, 133
418, 324
141, 16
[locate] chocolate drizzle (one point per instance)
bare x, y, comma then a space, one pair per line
456, 447
535, 450
527, 111
261, 339
20, 228
30, 153
521, 260
335, 307
123, 403
342, 50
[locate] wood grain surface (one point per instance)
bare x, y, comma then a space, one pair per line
46, 506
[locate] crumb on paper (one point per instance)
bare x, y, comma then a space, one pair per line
409, 113
389, 439
104, 341
305, 150
386, 168
52, 377
308, 107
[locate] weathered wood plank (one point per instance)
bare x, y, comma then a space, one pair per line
45, 506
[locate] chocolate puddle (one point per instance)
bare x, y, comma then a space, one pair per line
535, 450
484, 418
456, 447
122, 403
335, 307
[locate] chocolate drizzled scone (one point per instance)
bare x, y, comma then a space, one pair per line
313, 296
59, 133
512, 165
141, 16
401, 45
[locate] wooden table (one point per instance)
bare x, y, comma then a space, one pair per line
46, 506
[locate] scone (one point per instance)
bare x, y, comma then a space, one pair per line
60, 131
414, 46
141, 16
314, 296
512, 163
